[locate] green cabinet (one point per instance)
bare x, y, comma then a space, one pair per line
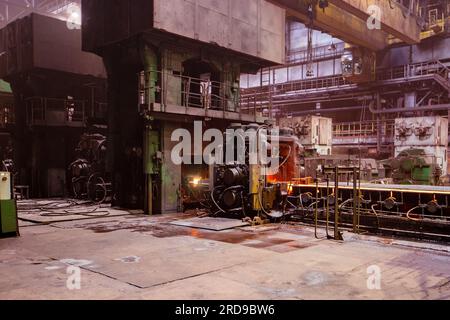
8, 218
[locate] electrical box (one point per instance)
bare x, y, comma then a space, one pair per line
8, 211
8, 218
5, 185
315, 133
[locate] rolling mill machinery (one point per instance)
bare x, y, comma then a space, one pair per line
415, 167
420, 151
248, 188
412, 210
89, 179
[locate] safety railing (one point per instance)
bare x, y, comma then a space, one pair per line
414, 70
312, 84
300, 85
168, 88
400, 72
6, 114
262, 96
434, 24
276, 93
318, 53
363, 129
54, 111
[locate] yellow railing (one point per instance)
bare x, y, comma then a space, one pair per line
363, 129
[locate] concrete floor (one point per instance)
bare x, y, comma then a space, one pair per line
138, 257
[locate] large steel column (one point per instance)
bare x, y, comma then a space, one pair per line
151, 138
125, 126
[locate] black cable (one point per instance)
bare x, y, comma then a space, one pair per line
54, 208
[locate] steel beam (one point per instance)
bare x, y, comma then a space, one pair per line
349, 28
339, 23
395, 20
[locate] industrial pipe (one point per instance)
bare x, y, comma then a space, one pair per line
415, 109
331, 110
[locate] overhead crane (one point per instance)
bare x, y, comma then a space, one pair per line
348, 20
366, 27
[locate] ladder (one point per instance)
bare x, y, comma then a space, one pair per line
267, 83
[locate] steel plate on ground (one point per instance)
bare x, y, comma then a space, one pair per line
215, 224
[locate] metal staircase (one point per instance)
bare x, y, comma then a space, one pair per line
443, 77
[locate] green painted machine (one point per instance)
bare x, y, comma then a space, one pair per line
413, 167
8, 210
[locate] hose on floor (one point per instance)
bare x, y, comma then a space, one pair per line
62, 208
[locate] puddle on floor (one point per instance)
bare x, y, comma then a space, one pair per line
260, 240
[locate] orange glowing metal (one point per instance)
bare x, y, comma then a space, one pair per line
196, 181
195, 233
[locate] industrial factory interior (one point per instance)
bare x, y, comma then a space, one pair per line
224, 150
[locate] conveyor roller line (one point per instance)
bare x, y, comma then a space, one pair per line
387, 188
